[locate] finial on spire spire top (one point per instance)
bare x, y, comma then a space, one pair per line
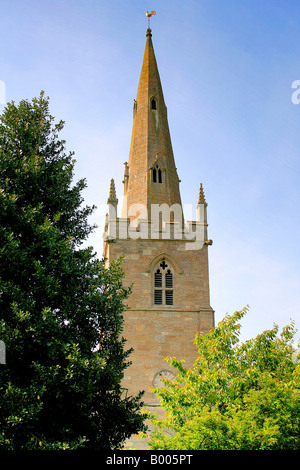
112, 192
201, 199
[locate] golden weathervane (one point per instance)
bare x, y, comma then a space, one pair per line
149, 16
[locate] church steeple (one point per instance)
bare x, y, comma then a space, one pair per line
151, 173
165, 257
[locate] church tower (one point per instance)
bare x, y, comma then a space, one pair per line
166, 257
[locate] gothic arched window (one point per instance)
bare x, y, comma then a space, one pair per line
163, 284
156, 175
153, 104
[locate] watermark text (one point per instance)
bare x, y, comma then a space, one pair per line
296, 94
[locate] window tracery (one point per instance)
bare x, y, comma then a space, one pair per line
163, 284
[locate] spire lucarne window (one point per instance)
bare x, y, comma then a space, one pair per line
163, 284
153, 104
156, 174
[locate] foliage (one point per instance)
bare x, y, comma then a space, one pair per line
235, 396
61, 310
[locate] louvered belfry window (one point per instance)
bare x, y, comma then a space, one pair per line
158, 279
169, 279
169, 287
163, 285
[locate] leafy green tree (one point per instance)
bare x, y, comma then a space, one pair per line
236, 396
61, 310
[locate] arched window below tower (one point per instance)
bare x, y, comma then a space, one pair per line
163, 285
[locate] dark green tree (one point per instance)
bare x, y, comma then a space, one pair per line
61, 310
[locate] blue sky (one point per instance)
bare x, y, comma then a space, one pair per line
227, 68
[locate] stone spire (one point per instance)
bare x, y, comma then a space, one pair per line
152, 175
